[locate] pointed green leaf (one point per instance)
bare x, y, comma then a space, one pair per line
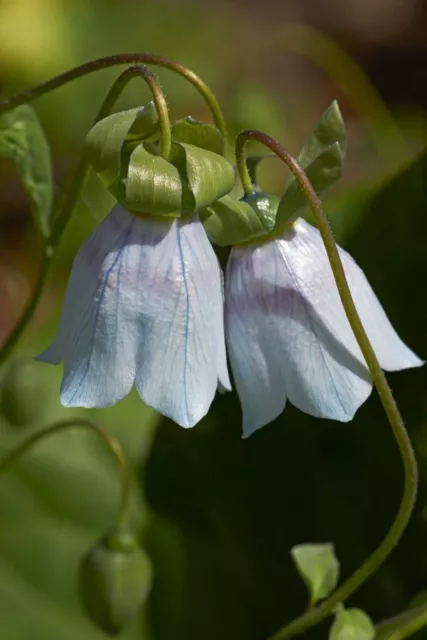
318, 567
199, 134
352, 624
329, 130
322, 158
322, 172
104, 141
150, 184
228, 221
205, 176
22, 139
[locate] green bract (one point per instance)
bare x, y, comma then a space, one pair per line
123, 150
229, 221
322, 159
199, 134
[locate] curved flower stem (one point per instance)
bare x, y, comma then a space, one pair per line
112, 443
30, 308
315, 615
117, 59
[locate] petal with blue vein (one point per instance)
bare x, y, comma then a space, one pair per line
98, 333
182, 347
300, 330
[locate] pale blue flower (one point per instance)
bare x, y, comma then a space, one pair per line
288, 336
144, 305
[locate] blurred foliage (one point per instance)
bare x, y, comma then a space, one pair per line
223, 513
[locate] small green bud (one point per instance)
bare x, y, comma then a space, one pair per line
114, 581
265, 206
22, 393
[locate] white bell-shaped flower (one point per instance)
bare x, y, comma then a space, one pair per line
144, 305
288, 336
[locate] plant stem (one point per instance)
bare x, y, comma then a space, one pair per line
394, 534
112, 443
30, 308
113, 60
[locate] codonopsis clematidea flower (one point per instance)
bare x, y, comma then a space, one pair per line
288, 336
144, 305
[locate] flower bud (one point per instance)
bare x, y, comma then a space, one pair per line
22, 393
114, 581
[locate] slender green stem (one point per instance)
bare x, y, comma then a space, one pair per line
394, 534
30, 308
403, 625
112, 443
117, 59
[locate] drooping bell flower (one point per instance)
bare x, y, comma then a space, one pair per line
144, 303
287, 334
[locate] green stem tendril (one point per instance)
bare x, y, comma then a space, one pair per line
112, 443
111, 61
159, 100
403, 625
394, 534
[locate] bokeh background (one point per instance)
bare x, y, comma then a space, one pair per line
218, 514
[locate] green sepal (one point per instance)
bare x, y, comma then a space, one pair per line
149, 183
329, 130
199, 134
205, 176
228, 221
104, 142
322, 159
22, 139
322, 172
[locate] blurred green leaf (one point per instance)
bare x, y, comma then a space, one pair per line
329, 130
323, 171
199, 134
318, 567
22, 139
352, 624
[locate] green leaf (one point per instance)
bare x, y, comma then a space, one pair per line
205, 176
199, 134
228, 221
322, 158
352, 624
329, 130
22, 139
318, 567
150, 184
322, 172
104, 142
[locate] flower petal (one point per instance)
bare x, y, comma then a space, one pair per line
182, 348
307, 362
305, 255
98, 338
256, 373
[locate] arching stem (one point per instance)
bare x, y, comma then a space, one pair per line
112, 443
315, 615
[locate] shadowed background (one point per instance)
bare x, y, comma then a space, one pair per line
217, 514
